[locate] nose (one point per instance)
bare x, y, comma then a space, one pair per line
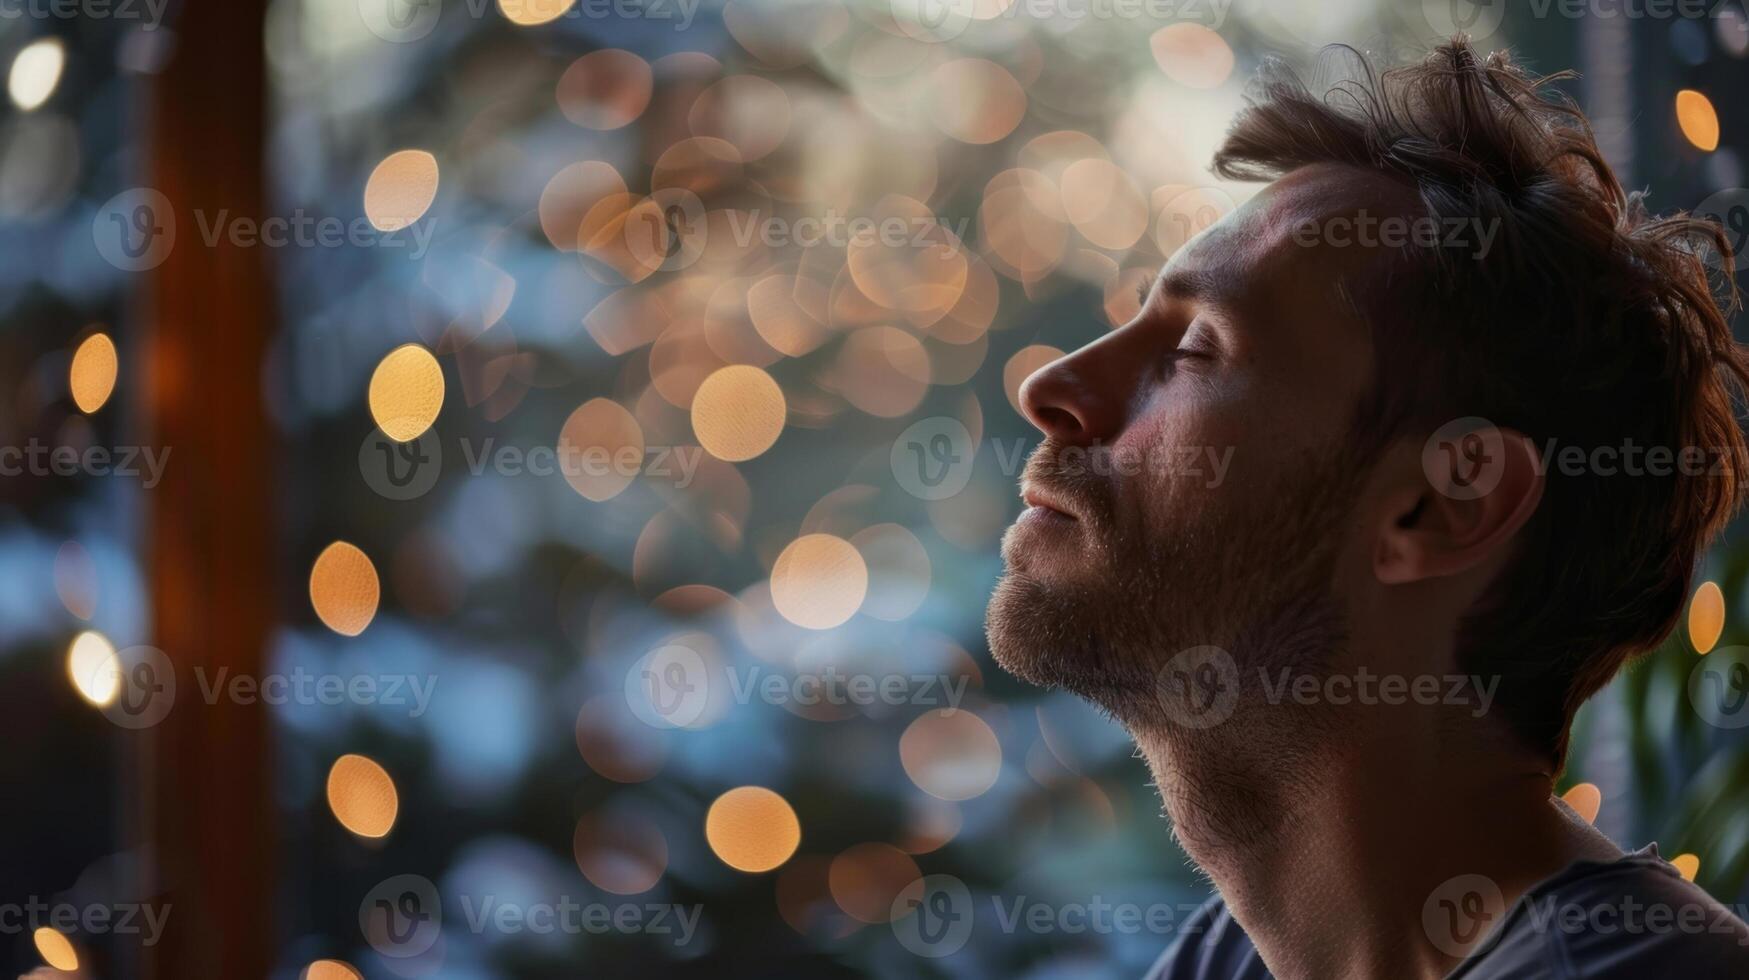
1085, 397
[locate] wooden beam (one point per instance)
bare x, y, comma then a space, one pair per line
209, 311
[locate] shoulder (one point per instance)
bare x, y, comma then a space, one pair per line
1632, 918
1210, 946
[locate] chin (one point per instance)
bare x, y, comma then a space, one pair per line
1055, 636
1017, 640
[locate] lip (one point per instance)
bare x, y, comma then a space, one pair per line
1042, 499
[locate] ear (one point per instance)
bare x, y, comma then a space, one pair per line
1478, 485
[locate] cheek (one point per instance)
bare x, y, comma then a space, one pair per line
1173, 464
1309, 397
1189, 429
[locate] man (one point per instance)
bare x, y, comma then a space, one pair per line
1352, 666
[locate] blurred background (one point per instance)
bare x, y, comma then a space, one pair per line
508, 488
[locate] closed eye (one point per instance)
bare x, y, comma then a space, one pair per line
1194, 345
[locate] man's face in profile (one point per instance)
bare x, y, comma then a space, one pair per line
1136, 544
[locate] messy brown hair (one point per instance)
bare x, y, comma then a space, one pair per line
1589, 322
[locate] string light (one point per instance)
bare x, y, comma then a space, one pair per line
362, 796
819, 581
36, 72
344, 588
91, 377
1687, 865
93, 668
1698, 119
406, 392
751, 828
738, 413
1585, 799
55, 949
1706, 617
400, 190
330, 970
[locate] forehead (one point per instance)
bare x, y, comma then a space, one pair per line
1296, 241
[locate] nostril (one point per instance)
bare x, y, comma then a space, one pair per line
1056, 421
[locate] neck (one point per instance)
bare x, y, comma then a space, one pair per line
1329, 832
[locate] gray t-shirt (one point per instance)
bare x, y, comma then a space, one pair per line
1631, 918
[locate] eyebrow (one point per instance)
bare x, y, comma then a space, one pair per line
1192, 285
